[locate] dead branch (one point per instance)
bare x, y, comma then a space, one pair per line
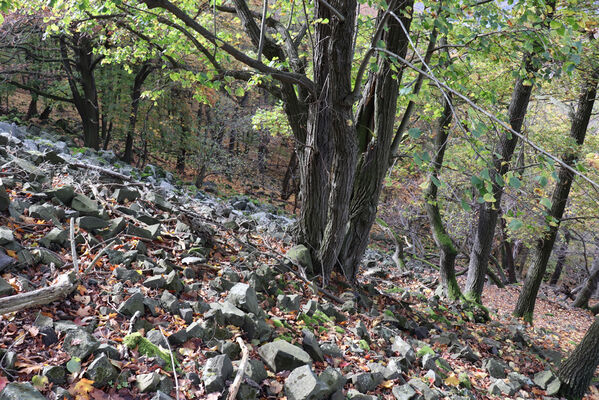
245, 356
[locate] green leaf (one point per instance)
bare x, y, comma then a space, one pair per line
489, 198
74, 365
542, 181
466, 206
414, 133
545, 202
515, 224
39, 381
515, 182
475, 180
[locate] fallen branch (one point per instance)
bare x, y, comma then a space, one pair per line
245, 356
108, 172
170, 352
97, 257
64, 285
73, 245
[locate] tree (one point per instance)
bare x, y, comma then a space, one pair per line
555, 210
576, 372
583, 297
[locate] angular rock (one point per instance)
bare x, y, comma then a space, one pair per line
281, 356
216, 371
4, 197
79, 343
301, 255
159, 202
404, 392
65, 194
147, 382
56, 236
170, 302
5, 260
366, 381
500, 387
255, 371
91, 223
310, 344
123, 194
132, 305
495, 368
244, 296
5, 288
233, 315
20, 391
332, 379
403, 348
289, 302
85, 205
544, 378
302, 384
6, 236
55, 374
101, 371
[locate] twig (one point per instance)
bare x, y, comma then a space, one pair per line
64, 285
333, 10
97, 257
245, 355
108, 172
73, 246
172, 363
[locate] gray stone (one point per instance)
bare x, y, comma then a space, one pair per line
170, 302
145, 233
5, 288
115, 226
156, 337
173, 282
353, 394
495, 368
147, 382
6, 236
365, 382
301, 255
5, 260
403, 348
310, 344
155, 282
56, 236
85, 205
4, 197
289, 302
132, 305
123, 274
303, 384
47, 257
281, 356
432, 376
42, 321
544, 378
426, 391
20, 391
244, 296
233, 315
101, 371
123, 194
553, 387
394, 368
159, 202
500, 387
255, 370
404, 392
91, 223
216, 371
161, 396
332, 379
46, 212
55, 374
428, 361
79, 343
332, 350
65, 194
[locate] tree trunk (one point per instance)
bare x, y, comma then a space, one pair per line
576, 372
521, 252
140, 78
376, 114
562, 252
582, 300
488, 211
32, 109
580, 121
289, 185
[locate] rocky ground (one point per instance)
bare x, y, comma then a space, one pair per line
168, 292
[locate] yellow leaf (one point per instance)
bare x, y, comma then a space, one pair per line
387, 384
11, 253
452, 380
81, 389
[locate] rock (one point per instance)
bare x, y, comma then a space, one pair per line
281, 356
115, 226
79, 343
159, 202
432, 376
47, 257
311, 346
421, 332
243, 296
5, 260
256, 371
170, 302
495, 368
302, 384
46, 212
428, 361
467, 354
233, 315
161, 396
332, 350
122, 194
426, 391
6, 236
353, 394
544, 378
553, 387
366, 381
289, 302
155, 282
151, 232
101, 371
20, 391
91, 223
332, 379
49, 336
65, 194
5, 288
132, 304
56, 236
4, 197
404, 392
301, 255
85, 205
216, 371
55, 374
148, 382
403, 348
123, 274
500, 387
173, 282
156, 337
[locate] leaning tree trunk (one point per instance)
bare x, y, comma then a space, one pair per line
449, 283
562, 252
507, 253
582, 300
488, 211
580, 121
576, 372
140, 78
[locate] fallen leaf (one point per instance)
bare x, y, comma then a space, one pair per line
452, 380
81, 389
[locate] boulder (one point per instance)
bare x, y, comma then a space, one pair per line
20, 391
122, 194
311, 346
147, 382
4, 197
5, 288
403, 348
85, 205
301, 255
55, 374
281, 356
101, 371
244, 296
6, 236
132, 305
544, 378
289, 302
216, 371
303, 384
495, 368
91, 223
404, 392
79, 343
